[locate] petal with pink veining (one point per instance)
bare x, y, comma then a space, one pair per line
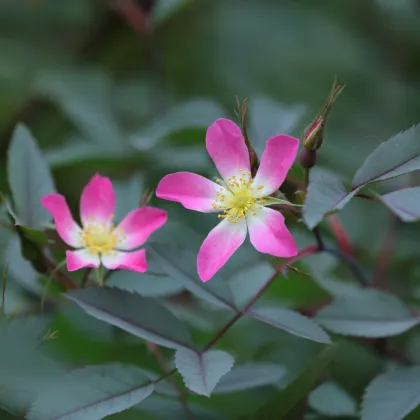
226, 146
269, 234
138, 225
81, 258
193, 191
219, 246
277, 159
97, 200
66, 227
132, 261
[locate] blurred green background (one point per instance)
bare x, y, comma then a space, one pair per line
128, 88
103, 90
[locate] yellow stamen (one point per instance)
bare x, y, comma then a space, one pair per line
101, 236
242, 199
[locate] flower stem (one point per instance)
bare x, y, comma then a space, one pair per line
100, 275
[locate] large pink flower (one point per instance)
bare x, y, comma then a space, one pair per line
99, 241
240, 197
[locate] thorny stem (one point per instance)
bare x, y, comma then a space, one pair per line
306, 251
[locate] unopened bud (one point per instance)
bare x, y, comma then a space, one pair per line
307, 158
241, 115
313, 135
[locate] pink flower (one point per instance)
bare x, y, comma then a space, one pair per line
240, 197
99, 241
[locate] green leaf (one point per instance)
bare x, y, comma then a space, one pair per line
326, 194
92, 393
290, 321
331, 400
247, 281
369, 313
355, 365
249, 376
85, 96
135, 314
128, 192
272, 200
397, 156
268, 118
193, 114
24, 370
202, 371
20, 269
148, 284
29, 178
180, 265
404, 203
289, 397
34, 235
392, 395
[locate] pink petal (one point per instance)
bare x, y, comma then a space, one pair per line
138, 225
219, 246
276, 161
66, 227
269, 234
98, 200
81, 258
193, 191
226, 146
132, 261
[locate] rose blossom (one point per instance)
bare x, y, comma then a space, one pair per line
99, 241
240, 198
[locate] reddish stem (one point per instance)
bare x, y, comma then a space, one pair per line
133, 14
304, 252
341, 235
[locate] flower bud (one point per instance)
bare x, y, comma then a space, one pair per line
307, 158
313, 135
241, 114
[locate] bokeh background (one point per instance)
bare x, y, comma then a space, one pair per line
128, 88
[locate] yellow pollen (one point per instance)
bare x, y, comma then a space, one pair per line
101, 237
242, 197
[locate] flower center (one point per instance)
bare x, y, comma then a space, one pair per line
242, 197
100, 237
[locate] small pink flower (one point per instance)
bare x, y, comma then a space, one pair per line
99, 241
240, 197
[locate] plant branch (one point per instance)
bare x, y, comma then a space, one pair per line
319, 240
59, 275
306, 251
155, 350
352, 264
368, 197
